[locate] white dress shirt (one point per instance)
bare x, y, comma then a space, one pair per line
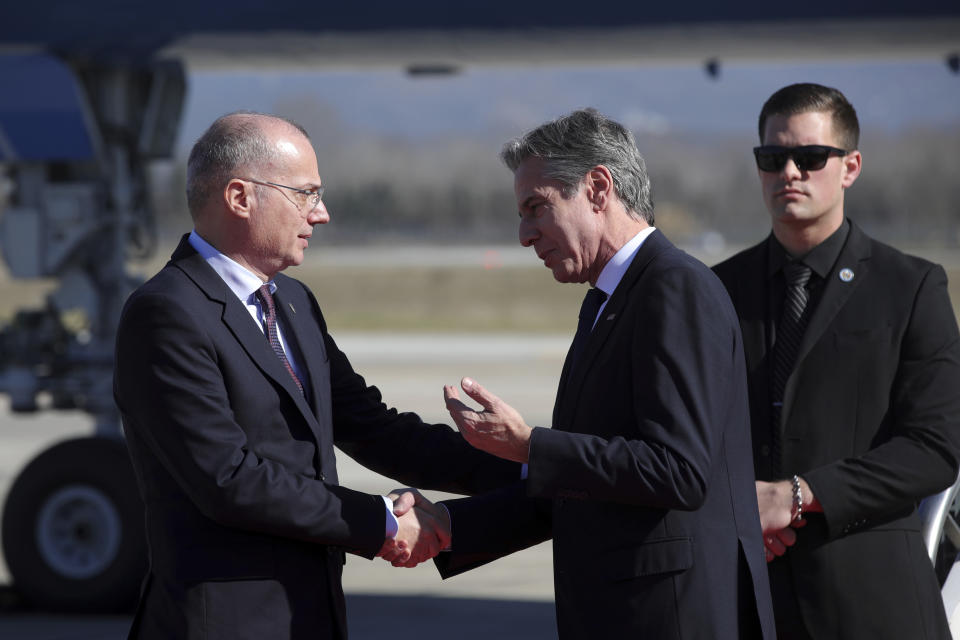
615, 269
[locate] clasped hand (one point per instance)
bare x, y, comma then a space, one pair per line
424, 530
775, 500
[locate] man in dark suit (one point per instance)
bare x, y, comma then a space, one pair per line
233, 395
644, 482
854, 364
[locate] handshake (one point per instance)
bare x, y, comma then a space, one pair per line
496, 428
424, 530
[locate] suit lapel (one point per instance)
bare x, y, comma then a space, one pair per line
572, 380
293, 310
750, 295
562, 387
239, 322
854, 260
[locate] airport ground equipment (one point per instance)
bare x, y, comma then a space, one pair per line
76, 139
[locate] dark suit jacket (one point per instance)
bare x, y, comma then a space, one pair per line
872, 422
644, 482
245, 520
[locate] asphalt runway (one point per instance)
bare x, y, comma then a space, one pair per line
511, 598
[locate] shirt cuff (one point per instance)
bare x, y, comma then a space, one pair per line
392, 525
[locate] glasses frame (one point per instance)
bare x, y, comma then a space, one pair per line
799, 154
314, 197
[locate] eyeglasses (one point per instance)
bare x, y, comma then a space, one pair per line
811, 157
313, 197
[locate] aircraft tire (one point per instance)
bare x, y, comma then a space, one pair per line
73, 530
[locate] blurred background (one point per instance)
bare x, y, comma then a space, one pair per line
414, 157
419, 272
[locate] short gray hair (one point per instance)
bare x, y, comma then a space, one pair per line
233, 143
574, 144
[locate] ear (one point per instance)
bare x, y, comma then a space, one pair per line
852, 163
600, 190
239, 197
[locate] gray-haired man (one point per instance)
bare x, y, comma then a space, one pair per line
645, 482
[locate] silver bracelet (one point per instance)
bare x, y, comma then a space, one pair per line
797, 510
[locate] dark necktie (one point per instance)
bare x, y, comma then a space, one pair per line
270, 319
789, 333
588, 314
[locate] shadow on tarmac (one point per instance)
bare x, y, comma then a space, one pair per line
370, 617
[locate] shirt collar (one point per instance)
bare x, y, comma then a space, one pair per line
243, 282
820, 259
617, 266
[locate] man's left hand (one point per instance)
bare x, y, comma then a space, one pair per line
496, 429
775, 501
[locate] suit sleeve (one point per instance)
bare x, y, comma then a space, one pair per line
491, 526
683, 349
400, 445
921, 440
171, 391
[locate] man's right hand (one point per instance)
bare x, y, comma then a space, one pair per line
424, 530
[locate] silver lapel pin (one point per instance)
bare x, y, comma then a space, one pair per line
290, 304
846, 274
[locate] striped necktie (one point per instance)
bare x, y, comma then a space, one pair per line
270, 320
789, 333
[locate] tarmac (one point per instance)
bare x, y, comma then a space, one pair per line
511, 598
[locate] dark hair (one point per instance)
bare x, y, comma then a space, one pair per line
573, 144
806, 97
232, 144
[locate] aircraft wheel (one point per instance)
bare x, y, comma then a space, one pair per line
73, 531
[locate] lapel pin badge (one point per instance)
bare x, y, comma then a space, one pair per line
846, 274
611, 316
290, 304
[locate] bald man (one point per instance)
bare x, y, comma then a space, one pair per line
233, 395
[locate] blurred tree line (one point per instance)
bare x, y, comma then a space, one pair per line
455, 190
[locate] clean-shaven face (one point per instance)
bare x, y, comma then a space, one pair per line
561, 230
283, 221
799, 198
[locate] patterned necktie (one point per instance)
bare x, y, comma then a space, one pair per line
270, 319
789, 333
588, 314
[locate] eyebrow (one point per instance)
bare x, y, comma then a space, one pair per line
526, 201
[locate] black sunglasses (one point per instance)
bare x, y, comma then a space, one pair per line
811, 157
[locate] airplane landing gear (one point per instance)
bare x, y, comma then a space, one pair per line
73, 533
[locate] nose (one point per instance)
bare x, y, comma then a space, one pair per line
528, 232
318, 215
790, 170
